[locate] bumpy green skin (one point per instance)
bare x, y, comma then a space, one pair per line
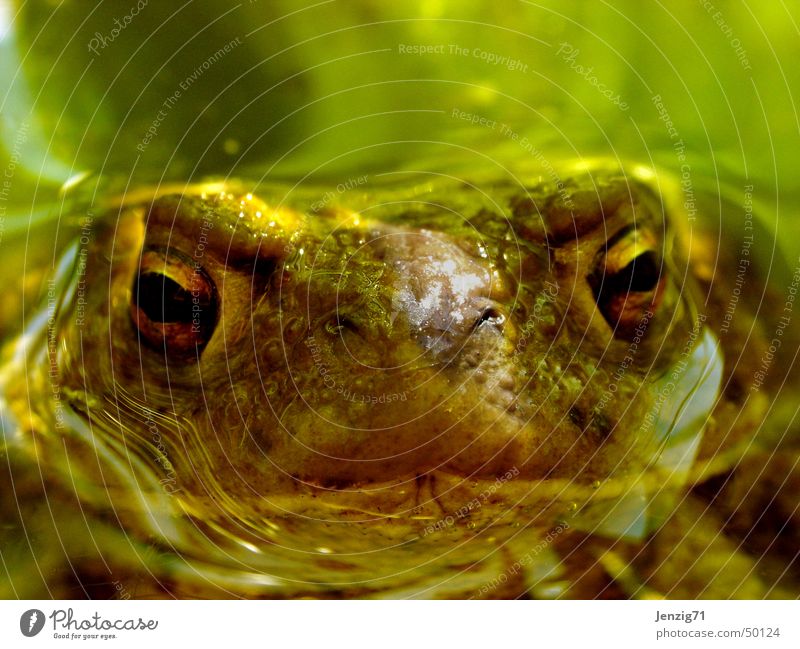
406, 393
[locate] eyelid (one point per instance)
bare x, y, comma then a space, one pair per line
175, 265
631, 245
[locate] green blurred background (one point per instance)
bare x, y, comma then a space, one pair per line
328, 89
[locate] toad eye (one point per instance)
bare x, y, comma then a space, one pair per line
627, 280
173, 304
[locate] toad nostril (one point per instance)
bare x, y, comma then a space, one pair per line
339, 323
491, 315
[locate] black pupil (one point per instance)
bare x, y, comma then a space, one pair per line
164, 300
639, 276
642, 274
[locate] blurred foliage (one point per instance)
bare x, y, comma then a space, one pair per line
322, 88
